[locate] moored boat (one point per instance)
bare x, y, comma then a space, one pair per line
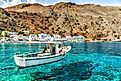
52, 54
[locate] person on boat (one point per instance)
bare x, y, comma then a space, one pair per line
53, 51
59, 46
44, 51
48, 50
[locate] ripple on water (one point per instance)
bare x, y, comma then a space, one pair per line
86, 61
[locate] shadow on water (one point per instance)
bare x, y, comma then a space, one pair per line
8, 68
74, 71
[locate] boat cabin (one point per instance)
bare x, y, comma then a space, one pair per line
52, 47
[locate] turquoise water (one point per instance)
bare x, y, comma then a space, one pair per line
85, 62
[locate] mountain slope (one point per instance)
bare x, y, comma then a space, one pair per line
95, 22
7, 23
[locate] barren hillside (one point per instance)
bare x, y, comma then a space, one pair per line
95, 22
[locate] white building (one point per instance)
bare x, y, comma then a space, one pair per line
50, 38
12, 33
26, 32
42, 37
79, 38
75, 38
69, 38
55, 36
33, 37
58, 38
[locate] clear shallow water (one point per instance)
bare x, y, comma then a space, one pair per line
85, 62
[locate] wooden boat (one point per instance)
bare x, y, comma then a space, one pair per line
38, 58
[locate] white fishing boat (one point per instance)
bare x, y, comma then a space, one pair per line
52, 54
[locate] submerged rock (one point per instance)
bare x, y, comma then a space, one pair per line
73, 71
78, 70
39, 76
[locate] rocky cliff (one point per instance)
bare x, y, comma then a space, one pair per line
95, 22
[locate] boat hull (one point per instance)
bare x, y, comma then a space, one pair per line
26, 62
40, 58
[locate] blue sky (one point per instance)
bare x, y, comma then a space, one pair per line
6, 3
101, 2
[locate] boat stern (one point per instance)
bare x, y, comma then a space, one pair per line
19, 61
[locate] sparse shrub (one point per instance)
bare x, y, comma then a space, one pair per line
8, 14
15, 16
20, 16
35, 13
20, 32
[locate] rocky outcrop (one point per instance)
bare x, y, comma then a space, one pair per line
7, 23
95, 22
